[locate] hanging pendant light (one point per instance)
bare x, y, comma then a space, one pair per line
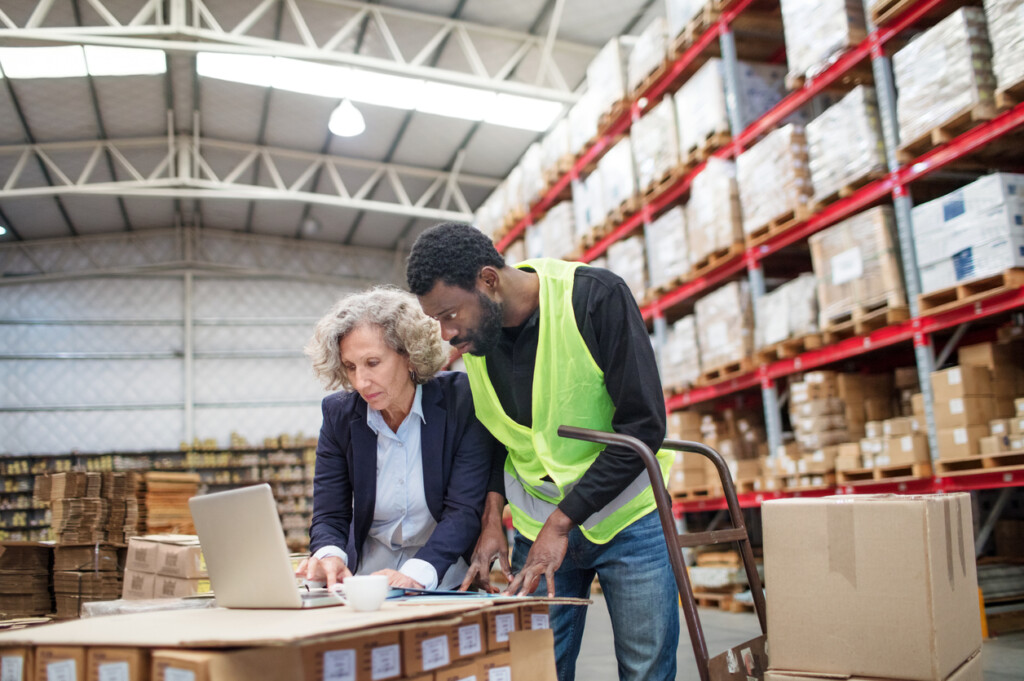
346, 121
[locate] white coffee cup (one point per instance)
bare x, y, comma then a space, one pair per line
365, 592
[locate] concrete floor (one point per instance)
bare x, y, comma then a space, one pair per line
1003, 657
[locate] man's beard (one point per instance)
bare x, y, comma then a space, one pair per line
486, 336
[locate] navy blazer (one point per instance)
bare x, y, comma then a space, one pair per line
456, 452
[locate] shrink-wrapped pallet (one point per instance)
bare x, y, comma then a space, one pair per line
1006, 33
655, 144
713, 220
583, 118
680, 356
844, 143
588, 207
790, 311
648, 53
773, 179
725, 325
618, 179
679, 13
856, 265
606, 76
533, 174
516, 252
701, 107
558, 232
817, 32
516, 203
534, 242
943, 74
555, 146
626, 259
667, 250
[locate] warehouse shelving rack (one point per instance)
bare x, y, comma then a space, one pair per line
894, 186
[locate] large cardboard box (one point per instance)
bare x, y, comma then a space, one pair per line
905, 450
988, 355
120, 664
466, 671
971, 670
880, 586
963, 411
427, 647
16, 664
961, 381
501, 621
535, 616
179, 587
66, 663
278, 663
496, 666
373, 657
174, 555
138, 585
469, 638
960, 443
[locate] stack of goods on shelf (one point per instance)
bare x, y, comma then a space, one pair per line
858, 270
25, 581
714, 224
944, 78
533, 174
790, 311
845, 145
556, 153
817, 413
165, 500
587, 205
971, 233
79, 514
583, 119
689, 471
516, 252
618, 180
164, 566
558, 231
680, 356
84, 574
848, 572
738, 436
716, 579
627, 259
606, 77
1005, 28
648, 53
817, 33
668, 254
725, 329
655, 146
533, 241
702, 110
680, 14
774, 182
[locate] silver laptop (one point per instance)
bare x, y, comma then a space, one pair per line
246, 554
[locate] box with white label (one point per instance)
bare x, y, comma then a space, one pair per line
465, 671
373, 657
427, 647
960, 443
59, 662
904, 450
469, 637
963, 411
117, 664
668, 254
496, 667
725, 325
501, 621
16, 664
535, 616
275, 663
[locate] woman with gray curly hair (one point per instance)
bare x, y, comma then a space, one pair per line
402, 463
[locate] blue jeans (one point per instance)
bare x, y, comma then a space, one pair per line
639, 588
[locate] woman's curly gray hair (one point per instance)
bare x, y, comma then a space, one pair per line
406, 329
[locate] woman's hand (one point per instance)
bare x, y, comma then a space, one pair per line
397, 579
330, 569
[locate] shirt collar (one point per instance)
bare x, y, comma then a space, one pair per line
375, 420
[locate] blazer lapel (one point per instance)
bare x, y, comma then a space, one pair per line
364, 471
431, 447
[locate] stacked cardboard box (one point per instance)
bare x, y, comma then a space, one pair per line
849, 457
974, 232
817, 33
865, 397
606, 76
1006, 33
533, 183
627, 259
790, 311
668, 253
1004, 409
25, 581
558, 231
816, 412
680, 355
84, 574
725, 325
844, 144
902, 599
904, 444
856, 265
164, 566
943, 73
655, 144
774, 179
165, 501
689, 471
618, 178
963, 409
648, 53
713, 216
587, 204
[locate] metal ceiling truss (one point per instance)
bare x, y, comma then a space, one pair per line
198, 25
217, 252
184, 169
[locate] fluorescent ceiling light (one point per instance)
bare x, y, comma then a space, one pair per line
381, 89
74, 61
346, 121
3, 230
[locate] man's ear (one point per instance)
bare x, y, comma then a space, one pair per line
489, 278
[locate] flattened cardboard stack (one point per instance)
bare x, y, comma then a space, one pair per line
79, 514
166, 498
25, 580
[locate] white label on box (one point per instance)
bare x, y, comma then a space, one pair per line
960, 436
846, 266
499, 674
435, 652
907, 443
12, 668
340, 665
385, 662
503, 626
540, 622
881, 459
818, 456
956, 406
953, 377
175, 674
999, 428
64, 670
114, 671
470, 640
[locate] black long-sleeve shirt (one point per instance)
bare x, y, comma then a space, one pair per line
614, 331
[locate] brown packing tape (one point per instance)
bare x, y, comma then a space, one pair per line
842, 540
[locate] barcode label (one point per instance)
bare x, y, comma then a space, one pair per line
435, 653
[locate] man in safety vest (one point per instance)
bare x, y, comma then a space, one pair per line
549, 343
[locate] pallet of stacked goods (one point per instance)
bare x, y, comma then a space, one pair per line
679, 359
714, 225
968, 242
558, 231
25, 590
819, 32
588, 209
818, 416
606, 81
618, 186
944, 82
860, 288
533, 184
725, 332
648, 59
556, 152
583, 118
688, 19
627, 258
738, 436
655, 144
787, 320
668, 252
690, 474
1005, 28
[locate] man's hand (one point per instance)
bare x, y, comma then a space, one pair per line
545, 556
492, 544
330, 569
399, 580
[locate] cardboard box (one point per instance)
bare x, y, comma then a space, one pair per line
963, 411
993, 444
1002, 408
372, 657
138, 585
469, 638
176, 587
501, 621
142, 555
427, 647
535, 616
1017, 426
999, 427
174, 555
277, 663
917, 403
16, 664
496, 667
971, 670
988, 355
906, 377
874, 429
903, 425
960, 443
66, 663
961, 381
743, 469
533, 655
877, 408
122, 664
84, 558
906, 449
897, 573
467, 671
1018, 405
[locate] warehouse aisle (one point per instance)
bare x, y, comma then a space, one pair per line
1004, 656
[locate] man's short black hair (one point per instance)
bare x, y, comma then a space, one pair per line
452, 252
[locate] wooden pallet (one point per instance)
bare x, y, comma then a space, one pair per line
705, 492
726, 371
741, 606
910, 470
854, 475
778, 225
888, 10
791, 347
859, 74
810, 483
941, 134
719, 559
866, 319
1010, 96
665, 288
990, 463
617, 110
970, 292
714, 259
848, 189
701, 22
700, 152
711, 599
650, 79
661, 184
